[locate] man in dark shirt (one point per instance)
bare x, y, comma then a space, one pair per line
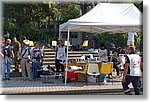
16, 48
116, 61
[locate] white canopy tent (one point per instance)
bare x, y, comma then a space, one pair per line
105, 17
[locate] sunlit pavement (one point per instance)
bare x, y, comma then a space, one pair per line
19, 86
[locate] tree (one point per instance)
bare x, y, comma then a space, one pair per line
19, 18
116, 38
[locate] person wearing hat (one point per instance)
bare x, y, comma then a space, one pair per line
132, 72
25, 56
37, 58
7, 60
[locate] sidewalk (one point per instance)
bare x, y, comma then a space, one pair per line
19, 86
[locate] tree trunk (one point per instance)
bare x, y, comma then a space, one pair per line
83, 7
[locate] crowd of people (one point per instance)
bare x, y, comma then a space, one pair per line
30, 60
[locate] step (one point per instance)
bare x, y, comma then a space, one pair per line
70, 55
49, 56
49, 53
70, 52
50, 62
53, 59
48, 50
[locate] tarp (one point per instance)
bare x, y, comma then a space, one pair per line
107, 17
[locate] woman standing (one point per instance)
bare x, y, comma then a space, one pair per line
103, 58
60, 57
103, 53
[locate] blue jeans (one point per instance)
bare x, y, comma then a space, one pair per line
6, 67
36, 67
102, 77
135, 80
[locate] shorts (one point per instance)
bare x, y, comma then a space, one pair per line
130, 42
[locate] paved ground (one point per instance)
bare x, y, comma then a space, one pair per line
19, 86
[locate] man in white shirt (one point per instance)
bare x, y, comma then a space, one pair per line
25, 56
60, 57
132, 72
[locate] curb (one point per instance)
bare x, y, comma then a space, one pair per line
71, 92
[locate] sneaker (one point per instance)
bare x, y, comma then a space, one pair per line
31, 80
8, 79
3, 79
63, 77
56, 77
16, 70
24, 79
104, 83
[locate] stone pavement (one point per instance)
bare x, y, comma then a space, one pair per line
18, 86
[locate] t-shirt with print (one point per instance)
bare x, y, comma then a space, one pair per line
127, 61
103, 55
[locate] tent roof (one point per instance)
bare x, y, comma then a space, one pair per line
107, 17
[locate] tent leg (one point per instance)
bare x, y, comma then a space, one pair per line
67, 57
59, 35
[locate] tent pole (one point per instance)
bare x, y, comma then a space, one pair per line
59, 35
66, 69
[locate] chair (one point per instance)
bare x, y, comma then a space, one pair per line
54, 43
43, 47
85, 44
67, 43
93, 70
106, 68
82, 73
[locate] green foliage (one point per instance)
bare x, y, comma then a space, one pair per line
71, 11
26, 19
118, 39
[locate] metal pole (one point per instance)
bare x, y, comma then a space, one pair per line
59, 35
66, 69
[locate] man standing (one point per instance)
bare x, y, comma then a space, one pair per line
25, 56
37, 54
132, 72
16, 47
7, 60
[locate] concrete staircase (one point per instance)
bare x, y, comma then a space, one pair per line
49, 56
